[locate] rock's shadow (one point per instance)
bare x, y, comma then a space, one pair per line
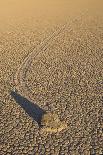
32, 109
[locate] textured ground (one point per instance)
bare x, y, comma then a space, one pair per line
52, 65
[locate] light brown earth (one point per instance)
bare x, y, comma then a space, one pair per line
51, 59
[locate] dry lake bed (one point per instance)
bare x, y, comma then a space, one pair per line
51, 77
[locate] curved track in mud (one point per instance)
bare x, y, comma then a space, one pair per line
19, 78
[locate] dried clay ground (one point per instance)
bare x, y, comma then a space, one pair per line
51, 60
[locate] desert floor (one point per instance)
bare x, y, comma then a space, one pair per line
51, 60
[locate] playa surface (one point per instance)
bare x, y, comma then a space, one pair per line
51, 60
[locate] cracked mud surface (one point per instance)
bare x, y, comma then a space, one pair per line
61, 70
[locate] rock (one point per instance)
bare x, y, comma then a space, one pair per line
51, 123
